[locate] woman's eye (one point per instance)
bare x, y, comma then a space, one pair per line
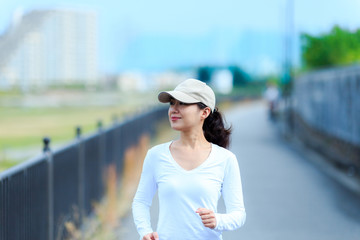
171, 103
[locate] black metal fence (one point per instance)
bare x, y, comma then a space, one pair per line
326, 114
38, 196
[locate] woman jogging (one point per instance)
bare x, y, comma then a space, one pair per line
190, 173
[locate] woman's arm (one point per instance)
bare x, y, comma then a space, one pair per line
143, 197
233, 197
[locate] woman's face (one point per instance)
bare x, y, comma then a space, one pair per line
184, 116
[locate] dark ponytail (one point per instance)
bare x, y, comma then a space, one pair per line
214, 129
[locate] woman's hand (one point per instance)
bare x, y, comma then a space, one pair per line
208, 217
151, 236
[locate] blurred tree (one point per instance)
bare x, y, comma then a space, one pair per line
339, 47
240, 78
274, 80
204, 73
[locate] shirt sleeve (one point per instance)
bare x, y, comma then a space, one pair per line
144, 196
233, 197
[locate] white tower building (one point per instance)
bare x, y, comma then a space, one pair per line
50, 47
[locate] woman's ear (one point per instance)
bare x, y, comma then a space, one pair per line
205, 113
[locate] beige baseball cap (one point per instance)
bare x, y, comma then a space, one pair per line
190, 91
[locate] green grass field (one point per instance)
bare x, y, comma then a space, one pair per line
23, 128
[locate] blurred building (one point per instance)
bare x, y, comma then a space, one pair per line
132, 82
222, 81
49, 47
137, 81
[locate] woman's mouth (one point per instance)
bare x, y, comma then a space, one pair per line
175, 118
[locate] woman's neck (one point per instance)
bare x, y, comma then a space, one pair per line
193, 139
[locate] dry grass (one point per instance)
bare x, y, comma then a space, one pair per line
134, 159
118, 197
117, 202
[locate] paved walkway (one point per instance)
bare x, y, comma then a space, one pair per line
286, 196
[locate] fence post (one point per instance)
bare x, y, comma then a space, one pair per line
102, 153
99, 125
48, 154
81, 178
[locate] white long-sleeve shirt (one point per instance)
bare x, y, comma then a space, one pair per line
182, 192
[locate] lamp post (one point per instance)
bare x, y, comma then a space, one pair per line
288, 45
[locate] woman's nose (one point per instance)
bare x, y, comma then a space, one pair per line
174, 108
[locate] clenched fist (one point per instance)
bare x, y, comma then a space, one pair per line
208, 217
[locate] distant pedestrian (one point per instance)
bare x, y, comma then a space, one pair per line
190, 173
271, 95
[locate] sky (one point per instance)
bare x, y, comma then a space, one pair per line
162, 34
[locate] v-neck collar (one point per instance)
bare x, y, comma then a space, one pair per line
177, 165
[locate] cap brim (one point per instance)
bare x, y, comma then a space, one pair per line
165, 97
